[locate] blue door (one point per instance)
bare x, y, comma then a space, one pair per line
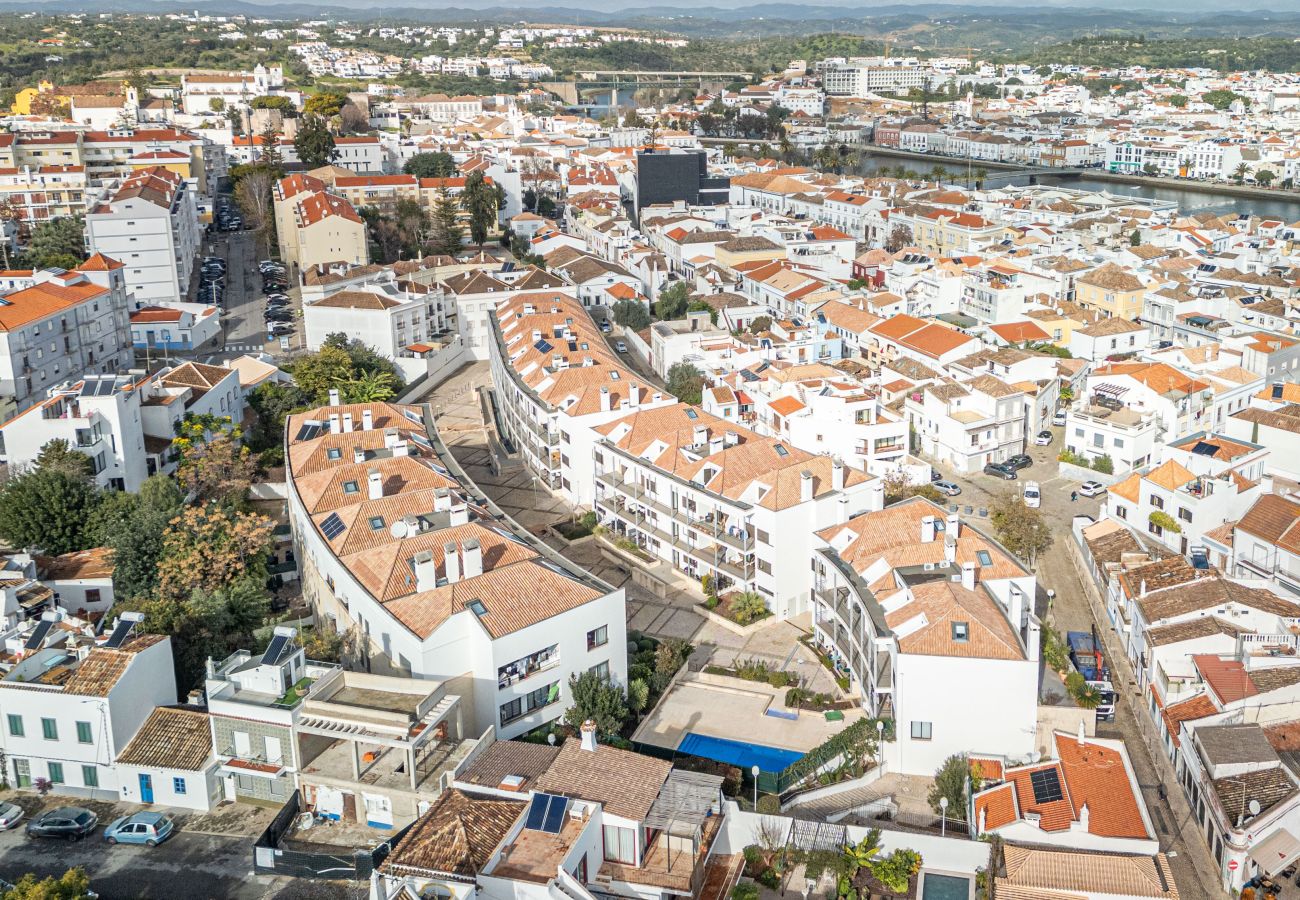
146, 789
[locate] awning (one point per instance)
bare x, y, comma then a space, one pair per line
1112, 390
1276, 852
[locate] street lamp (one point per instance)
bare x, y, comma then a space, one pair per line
943, 805
880, 742
754, 771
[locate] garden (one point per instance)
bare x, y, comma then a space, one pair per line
858, 871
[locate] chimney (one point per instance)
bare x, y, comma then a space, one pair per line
358, 455
949, 548
472, 559
442, 500
401, 448
805, 486
367, 420
969, 575
634, 395
842, 509
927, 529
1082, 734
452, 564
1142, 589
837, 475
347, 421
732, 439
954, 525
588, 736
701, 435
459, 514
335, 425
334, 397
715, 444
390, 437
878, 494
426, 571
376, 481
604, 399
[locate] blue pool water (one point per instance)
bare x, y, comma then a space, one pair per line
738, 753
945, 887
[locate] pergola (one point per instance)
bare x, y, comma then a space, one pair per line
685, 801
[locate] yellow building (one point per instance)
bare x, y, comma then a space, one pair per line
1111, 290
1062, 320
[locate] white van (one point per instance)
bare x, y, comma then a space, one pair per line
1032, 495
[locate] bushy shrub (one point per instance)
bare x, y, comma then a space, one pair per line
769, 805
745, 890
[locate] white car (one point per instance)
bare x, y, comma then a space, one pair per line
1033, 496
10, 815
1043, 439
620, 347
1092, 488
1059, 418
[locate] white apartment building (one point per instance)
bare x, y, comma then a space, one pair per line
971, 424
363, 154
853, 79
150, 224
55, 325
44, 192
71, 705
430, 585
715, 499
555, 382
910, 601
232, 90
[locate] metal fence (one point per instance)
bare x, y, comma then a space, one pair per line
270, 858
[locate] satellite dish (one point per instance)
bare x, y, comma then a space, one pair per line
1253, 806
398, 529
1035, 757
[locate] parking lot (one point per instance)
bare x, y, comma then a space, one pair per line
243, 325
209, 856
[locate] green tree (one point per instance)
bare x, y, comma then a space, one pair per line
314, 142
324, 105
137, 541
1135, 239
863, 853
364, 357
1021, 530
72, 885
631, 314
430, 165
479, 198
759, 324
597, 699
446, 234
216, 104
320, 372
748, 607
1222, 99
673, 301
685, 382
1264, 177
57, 243
58, 456
278, 101
1178, 101
269, 151
46, 509
638, 695
369, 387
950, 783
273, 403
703, 306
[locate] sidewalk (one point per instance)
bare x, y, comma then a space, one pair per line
1207, 882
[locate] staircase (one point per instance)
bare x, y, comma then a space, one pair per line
565, 887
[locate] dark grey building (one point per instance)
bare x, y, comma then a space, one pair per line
667, 176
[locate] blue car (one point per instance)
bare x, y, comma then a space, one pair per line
141, 828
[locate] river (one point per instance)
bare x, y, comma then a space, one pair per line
1189, 199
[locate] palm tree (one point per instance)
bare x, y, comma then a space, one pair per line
938, 173
1239, 174
370, 387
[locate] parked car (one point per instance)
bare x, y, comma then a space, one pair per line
952, 489
10, 815
605, 326
151, 828
1092, 488
620, 347
275, 315
1059, 418
1019, 461
279, 328
1000, 470
1044, 438
1032, 494
70, 822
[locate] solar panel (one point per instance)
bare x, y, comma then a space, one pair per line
1204, 448
555, 815
275, 649
309, 430
38, 636
1047, 786
1277, 392
332, 527
542, 347
537, 811
414, 416
122, 629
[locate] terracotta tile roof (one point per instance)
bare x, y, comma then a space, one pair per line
1055, 815
357, 300
1228, 678
1189, 630
1209, 593
101, 670
319, 206
1170, 475
457, 835
171, 738
1039, 874
998, 807
941, 604
1019, 332
506, 758
1100, 778
80, 564
98, 262
623, 782
1276, 519
1130, 488
1268, 786
1175, 714
22, 307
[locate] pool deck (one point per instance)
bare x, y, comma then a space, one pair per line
693, 705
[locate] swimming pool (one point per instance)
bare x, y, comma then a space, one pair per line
738, 753
945, 887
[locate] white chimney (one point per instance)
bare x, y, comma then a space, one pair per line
1083, 735
954, 525
367, 420
837, 475
927, 529
588, 736
459, 514
334, 396
401, 448
842, 509
969, 573
715, 445
732, 439
335, 426
950, 548
347, 421
472, 558
442, 500
452, 562
358, 455
390, 437
701, 434
805, 486
376, 480
877, 494
604, 399
426, 571
634, 395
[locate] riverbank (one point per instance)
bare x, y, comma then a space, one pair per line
1205, 187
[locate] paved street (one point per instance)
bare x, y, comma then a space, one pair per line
243, 326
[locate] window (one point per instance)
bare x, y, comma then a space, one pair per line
1157, 502
598, 637
1154, 529
601, 671
334, 453
178, 785
50, 729
84, 735
984, 557
1121, 512
56, 773
961, 631
350, 487
23, 773
620, 845
90, 776
765, 567
1184, 514
376, 523
922, 731
15, 725
763, 537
